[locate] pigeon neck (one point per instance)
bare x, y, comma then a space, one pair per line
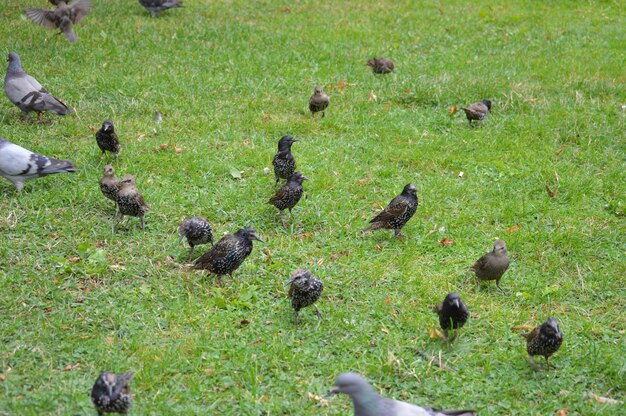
366, 403
15, 66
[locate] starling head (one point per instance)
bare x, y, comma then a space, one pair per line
285, 142
298, 177
109, 171
452, 300
499, 246
551, 328
128, 179
250, 234
298, 277
487, 103
104, 385
351, 384
410, 189
318, 90
107, 126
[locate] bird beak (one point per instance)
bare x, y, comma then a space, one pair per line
456, 302
290, 281
256, 237
110, 390
296, 140
304, 178
333, 391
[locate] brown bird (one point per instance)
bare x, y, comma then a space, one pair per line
318, 101
109, 184
130, 201
63, 17
288, 195
492, 265
397, 213
381, 65
543, 340
477, 111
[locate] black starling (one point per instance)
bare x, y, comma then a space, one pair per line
63, 17
452, 314
109, 184
318, 101
543, 340
477, 111
227, 255
107, 139
289, 194
157, 6
492, 265
111, 393
381, 65
398, 212
304, 290
129, 200
284, 162
196, 230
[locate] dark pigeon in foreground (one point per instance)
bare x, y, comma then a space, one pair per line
288, 195
369, 403
318, 101
19, 165
228, 254
107, 139
130, 201
284, 162
381, 65
26, 93
492, 265
304, 290
111, 393
453, 314
157, 6
543, 340
196, 230
397, 213
477, 111
64, 17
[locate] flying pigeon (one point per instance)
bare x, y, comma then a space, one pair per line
26, 93
62, 18
157, 6
19, 165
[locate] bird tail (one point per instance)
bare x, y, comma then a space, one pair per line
374, 226
70, 35
58, 166
458, 412
55, 105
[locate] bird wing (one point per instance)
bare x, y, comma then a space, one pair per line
17, 161
531, 335
42, 17
35, 84
280, 194
79, 9
398, 408
480, 263
396, 208
221, 249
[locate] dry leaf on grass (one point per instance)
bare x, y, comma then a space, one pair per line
550, 191
452, 110
523, 328
513, 229
372, 97
446, 241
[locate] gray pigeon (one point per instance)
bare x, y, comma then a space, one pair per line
64, 17
19, 165
157, 6
369, 403
26, 93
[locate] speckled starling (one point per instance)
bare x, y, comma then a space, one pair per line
452, 314
289, 194
543, 340
157, 6
196, 230
64, 17
284, 162
109, 184
398, 212
318, 101
229, 253
492, 265
111, 393
477, 111
107, 139
381, 65
130, 201
304, 290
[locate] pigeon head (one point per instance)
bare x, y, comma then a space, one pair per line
298, 177
551, 328
499, 246
15, 64
409, 189
104, 385
318, 90
250, 234
285, 143
107, 126
487, 103
353, 385
453, 299
298, 277
108, 170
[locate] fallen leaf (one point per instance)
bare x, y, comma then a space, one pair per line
372, 97
235, 173
550, 191
246, 142
523, 328
513, 229
108, 340
258, 341
320, 261
335, 256
244, 322
93, 129
208, 371
435, 333
116, 267
74, 259
452, 110
388, 300
446, 241
606, 400
302, 235
378, 248
374, 343
364, 180
266, 117
563, 412
385, 330
312, 396
178, 150
2, 377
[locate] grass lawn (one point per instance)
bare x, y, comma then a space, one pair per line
231, 78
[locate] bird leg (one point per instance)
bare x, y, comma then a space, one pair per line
398, 233
317, 312
190, 253
282, 218
142, 224
296, 317
532, 362
323, 114
501, 290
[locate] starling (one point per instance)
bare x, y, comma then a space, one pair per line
381, 65
157, 6
477, 111
109, 184
318, 101
398, 212
452, 314
492, 265
129, 200
64, 17
196, 230
227, 255
289, 194
304, 290
369, 403
107, 139
111, 393
284, 162
543, 340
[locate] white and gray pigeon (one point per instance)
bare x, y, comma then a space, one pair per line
64, 17
26, 93
157, 6
369, 403
19, 165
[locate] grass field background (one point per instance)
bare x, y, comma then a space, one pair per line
231, 78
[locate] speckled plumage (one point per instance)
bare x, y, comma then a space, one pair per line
111, 393
229, 253
157, 6
284, 162
319, 101
453, 313
197, 231
398, 212
304, 290
545, 340
109, 184
289, 194
381, 65
130, 201
477, 111
492, 265
107, 139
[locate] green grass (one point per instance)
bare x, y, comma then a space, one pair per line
231, 79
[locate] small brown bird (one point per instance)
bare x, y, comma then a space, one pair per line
543, 340
63, 17
111, 393
196, 230
304, 290
492, 265
318, 101
109, 184
130, 201
381, 65
453, 314
477, 111
288, 195
397, 213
